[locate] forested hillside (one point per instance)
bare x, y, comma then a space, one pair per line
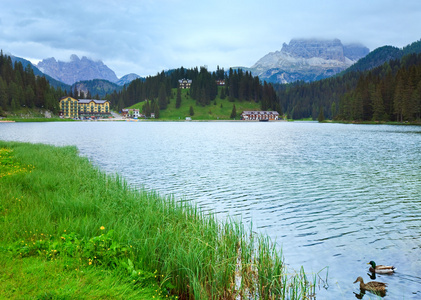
54, 83
389, 92
20, 87
239, 86
95, 89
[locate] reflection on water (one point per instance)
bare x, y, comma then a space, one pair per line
331, 195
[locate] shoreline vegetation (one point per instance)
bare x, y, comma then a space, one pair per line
69, 231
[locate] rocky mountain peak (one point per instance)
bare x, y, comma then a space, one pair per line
309, 48
74, 57
307, 60
76, 70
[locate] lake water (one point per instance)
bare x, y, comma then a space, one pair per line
331, 195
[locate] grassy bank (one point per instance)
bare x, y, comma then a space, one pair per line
68, 231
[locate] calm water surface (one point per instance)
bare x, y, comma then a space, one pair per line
331, 195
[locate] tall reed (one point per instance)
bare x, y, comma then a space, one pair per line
199, 256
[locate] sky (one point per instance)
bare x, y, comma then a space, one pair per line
148, 36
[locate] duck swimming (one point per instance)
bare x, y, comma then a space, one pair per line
380, 269
372, 286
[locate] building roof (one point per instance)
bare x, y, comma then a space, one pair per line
260, 112
85, 101
185, 80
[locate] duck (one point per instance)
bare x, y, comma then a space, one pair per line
372, 286
380, 269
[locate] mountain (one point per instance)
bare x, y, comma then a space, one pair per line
98, 87
126, 79
383, 54
366, 91
53, 82
376, 58
307, 60
76, 70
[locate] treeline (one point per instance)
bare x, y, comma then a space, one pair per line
19, 88
238, 86
302, 100
390, 92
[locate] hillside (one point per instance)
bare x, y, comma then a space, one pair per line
53, 82
219, 109
383, 54
98, 87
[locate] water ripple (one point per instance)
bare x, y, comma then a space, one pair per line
330, 194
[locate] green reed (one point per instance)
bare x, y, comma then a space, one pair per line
195, 255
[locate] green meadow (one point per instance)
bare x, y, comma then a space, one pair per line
70, 231
219, 109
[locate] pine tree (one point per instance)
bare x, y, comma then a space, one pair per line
398, 98
378, 105
222, 95
156, 110
321, 116
233, 112
191, 111
29, 97
3, 94
146, 109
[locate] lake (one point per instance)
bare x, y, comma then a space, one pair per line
333, 196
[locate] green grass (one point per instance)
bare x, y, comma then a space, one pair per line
214, 111
62, 218
64, 278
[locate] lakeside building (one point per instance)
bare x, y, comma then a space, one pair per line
184, 83
131, 113
84, 108
259, 115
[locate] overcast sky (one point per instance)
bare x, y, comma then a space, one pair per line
146, 37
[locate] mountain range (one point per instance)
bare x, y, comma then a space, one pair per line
307, 60
301, 60
81, 69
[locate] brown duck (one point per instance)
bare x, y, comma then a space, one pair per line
372, 286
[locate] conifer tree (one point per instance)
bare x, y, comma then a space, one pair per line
378, 105
156, 110
222, 95
3, 94
398, 99
321, 116
233, 112
146, 109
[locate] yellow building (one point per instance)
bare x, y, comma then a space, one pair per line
84, 108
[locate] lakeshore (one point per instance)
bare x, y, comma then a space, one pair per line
61, 213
